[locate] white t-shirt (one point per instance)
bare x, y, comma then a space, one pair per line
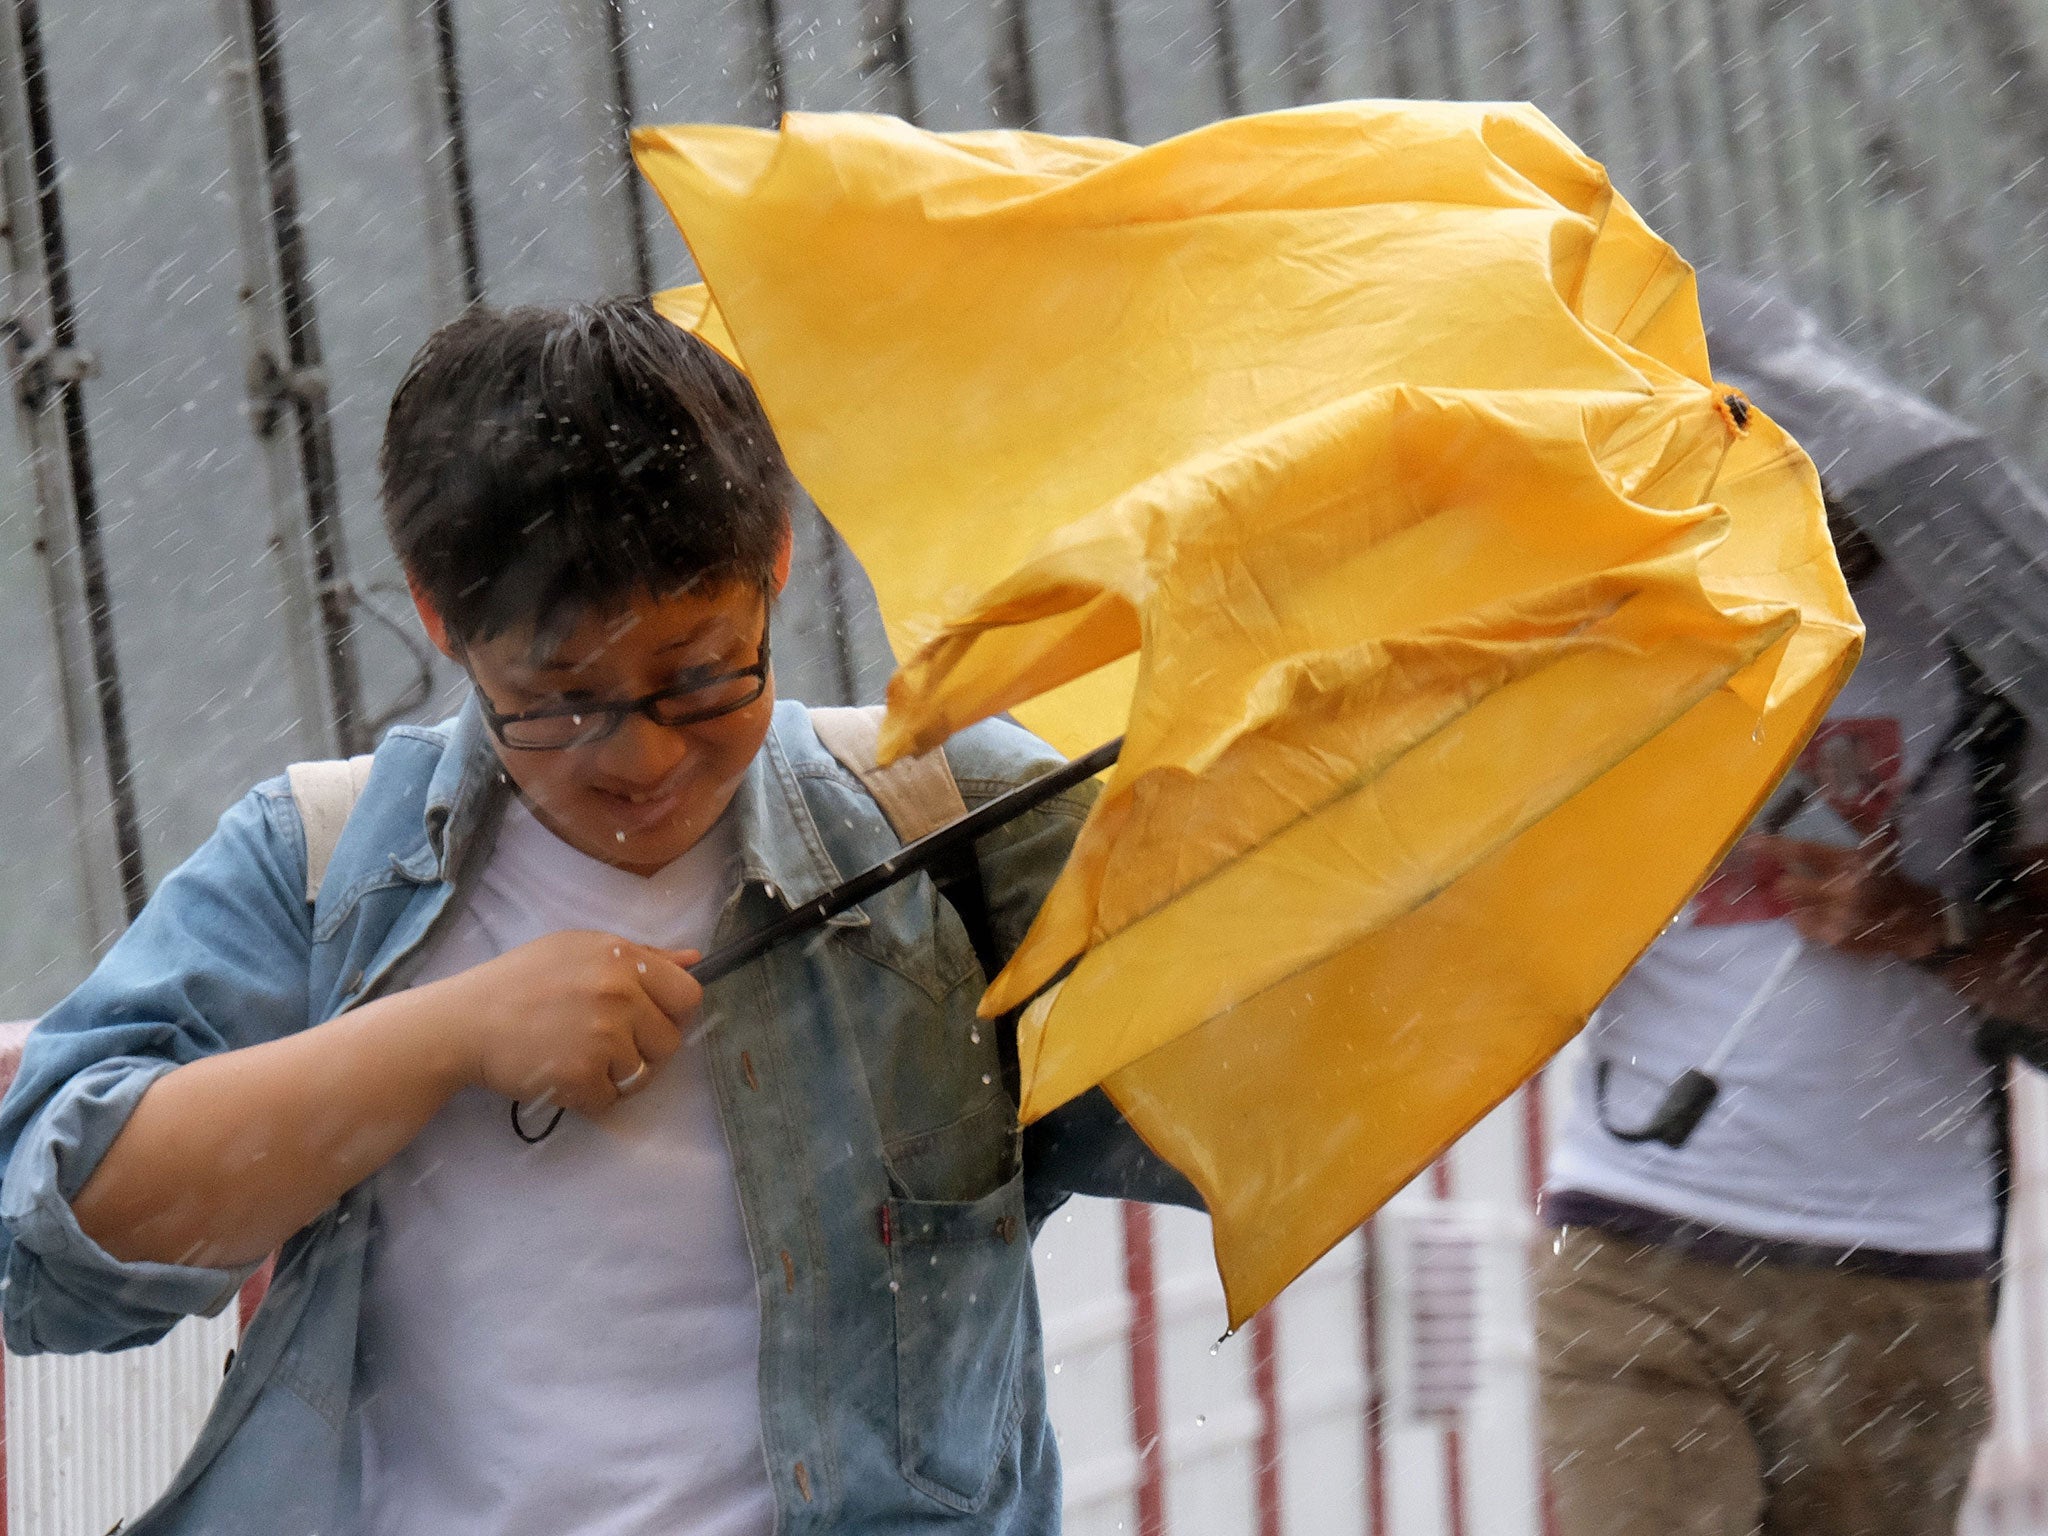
563, 1339
1852, 1108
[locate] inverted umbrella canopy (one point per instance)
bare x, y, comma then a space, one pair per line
1965, 528
1362, 465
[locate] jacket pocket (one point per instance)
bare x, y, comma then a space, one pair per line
981, 1150
960, 1270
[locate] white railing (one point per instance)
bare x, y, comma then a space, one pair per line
1370, 1400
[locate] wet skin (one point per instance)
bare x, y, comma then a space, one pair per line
644, 796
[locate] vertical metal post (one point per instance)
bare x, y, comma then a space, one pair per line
1608, 115
455, 263
625, 259
1229, 66
1662, 193
1109, 104
1552, 72
287, 387
1481, 41
769, 74
1877, 143
885, 55
1415, 63
1805, 197
1759, 128
1013, 92
46, 368
1843, 168
1449, 55
1698, 70
2001, 33
1308, 49
1890, 189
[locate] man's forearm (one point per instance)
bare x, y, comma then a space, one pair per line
225, 1158
2004, 972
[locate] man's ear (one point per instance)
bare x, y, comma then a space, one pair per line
430, 618
782, 559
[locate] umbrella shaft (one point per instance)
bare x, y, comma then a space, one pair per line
922, 854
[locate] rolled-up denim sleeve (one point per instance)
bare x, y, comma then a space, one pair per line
65, 1293
216, 961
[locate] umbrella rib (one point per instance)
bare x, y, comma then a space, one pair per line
1361, 781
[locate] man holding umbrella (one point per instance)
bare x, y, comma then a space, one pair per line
1776, 1208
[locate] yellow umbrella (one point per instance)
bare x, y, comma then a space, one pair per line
1363, 465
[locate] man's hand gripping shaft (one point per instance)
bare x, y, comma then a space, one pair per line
226, 1157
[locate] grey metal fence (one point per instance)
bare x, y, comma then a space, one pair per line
229, 222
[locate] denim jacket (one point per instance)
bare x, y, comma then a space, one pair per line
887, 1195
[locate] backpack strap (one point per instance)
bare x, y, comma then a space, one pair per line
325, 794
919, 795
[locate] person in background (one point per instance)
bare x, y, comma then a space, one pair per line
1765, 1287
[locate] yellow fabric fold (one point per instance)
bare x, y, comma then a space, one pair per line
1360, 464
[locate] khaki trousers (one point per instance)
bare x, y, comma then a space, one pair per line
1682, 1398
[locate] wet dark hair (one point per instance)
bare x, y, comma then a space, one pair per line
542, 464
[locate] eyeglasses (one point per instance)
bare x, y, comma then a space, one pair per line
691, 700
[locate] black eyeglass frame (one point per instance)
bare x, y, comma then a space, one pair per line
611, 716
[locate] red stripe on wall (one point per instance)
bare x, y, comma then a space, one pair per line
1454, 1483
1266, 1391
13, 1036
1454, 1443
1142, 1283
3, 1462
1375, 1397
1536, 1154
1535, 1137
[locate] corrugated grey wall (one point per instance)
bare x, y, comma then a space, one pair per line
1884, 157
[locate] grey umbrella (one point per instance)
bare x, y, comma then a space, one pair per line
1959, 521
